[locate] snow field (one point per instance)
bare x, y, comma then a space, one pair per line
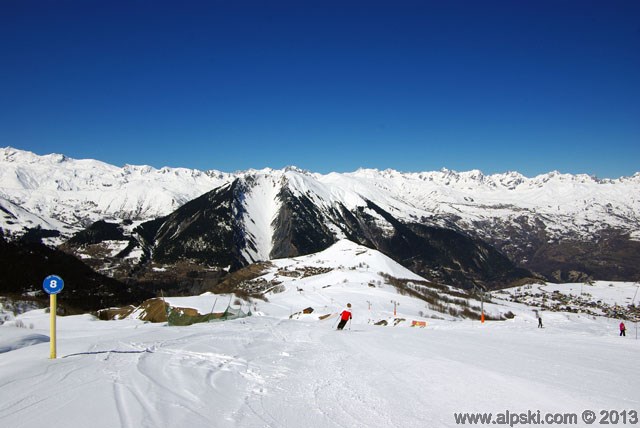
272, 372
280, 368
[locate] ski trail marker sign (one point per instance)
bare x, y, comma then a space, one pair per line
53, 284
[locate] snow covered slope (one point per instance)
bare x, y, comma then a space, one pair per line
534, 221
269, 370
259, 228
78, 191
284, 368
71, 194
577, 203
348, 273
603, 298
235, 225
15, 219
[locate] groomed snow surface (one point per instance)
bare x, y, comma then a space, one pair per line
272, 371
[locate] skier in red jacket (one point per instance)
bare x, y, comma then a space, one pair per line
623, 329
344, 317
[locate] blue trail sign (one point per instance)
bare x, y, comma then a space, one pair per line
53, 284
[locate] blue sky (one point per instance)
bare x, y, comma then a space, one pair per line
531, 86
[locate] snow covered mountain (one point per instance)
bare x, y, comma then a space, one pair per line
274, 214
562, 226
55, 192
283, 368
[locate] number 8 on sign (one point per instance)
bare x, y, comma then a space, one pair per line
53, 284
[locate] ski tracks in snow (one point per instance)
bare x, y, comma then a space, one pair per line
185, 381
342, 398
200, 380
178, 376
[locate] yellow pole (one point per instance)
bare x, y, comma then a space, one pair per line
52, 318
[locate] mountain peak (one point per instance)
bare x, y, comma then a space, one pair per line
515, 213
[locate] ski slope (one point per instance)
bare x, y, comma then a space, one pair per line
272, 371
283, 368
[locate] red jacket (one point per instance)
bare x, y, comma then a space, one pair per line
345, 315
622, 327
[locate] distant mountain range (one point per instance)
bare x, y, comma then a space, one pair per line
188, 228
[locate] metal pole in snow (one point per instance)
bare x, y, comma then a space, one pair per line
53, 284
481, 303
53, 303
635, 315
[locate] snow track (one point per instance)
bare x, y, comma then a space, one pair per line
272, 372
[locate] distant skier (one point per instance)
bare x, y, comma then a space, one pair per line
344, 317
539, 321
623, 329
